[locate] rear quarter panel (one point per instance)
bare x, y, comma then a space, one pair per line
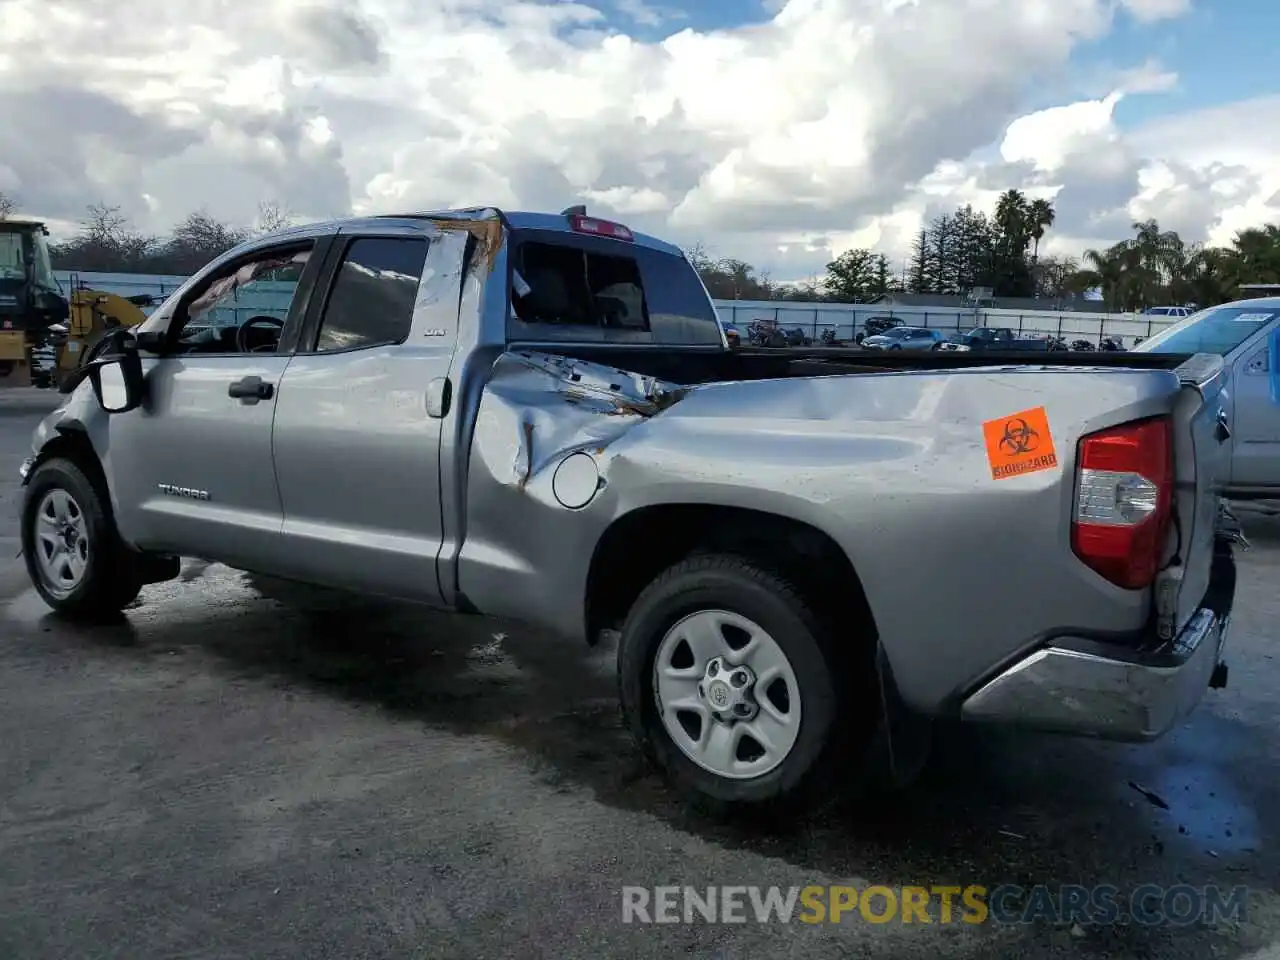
962, 571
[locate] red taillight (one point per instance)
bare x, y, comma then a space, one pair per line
1124, 501
600, 228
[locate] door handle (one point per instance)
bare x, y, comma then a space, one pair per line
250, 390
1221, 430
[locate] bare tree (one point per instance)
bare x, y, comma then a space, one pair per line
272, 216
7, 205
105, 225
198, 239
106, 242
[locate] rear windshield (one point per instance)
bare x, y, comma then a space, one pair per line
1216, 330
578, 288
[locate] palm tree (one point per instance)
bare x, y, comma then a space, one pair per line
1103, 270
1040, 217
1011, 219
1010, 273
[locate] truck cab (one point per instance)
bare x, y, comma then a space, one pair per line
1241, 333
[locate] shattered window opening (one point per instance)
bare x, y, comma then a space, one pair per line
262, 288
665, 304
578, 287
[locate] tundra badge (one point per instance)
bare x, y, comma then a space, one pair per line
169, 490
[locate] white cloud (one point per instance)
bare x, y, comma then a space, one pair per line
648, 14
1149, 77
1149, 11
833, 122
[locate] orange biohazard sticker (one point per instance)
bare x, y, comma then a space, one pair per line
1019, 443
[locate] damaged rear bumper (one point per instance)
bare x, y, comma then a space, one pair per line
1101, 690
1134, 697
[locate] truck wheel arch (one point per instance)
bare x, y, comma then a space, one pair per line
641, 544
72, 442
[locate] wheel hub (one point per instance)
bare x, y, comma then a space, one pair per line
728, 690
728, 696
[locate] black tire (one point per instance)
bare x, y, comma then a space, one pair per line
111, 579
734, 584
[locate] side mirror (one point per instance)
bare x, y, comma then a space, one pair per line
117, 382
1273, 364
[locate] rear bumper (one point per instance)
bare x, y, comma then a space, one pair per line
1099, 690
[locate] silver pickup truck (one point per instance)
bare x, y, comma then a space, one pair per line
536, 417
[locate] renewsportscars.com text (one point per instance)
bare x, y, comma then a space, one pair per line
1149, 904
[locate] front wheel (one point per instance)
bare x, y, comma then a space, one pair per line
730, 684
74, 556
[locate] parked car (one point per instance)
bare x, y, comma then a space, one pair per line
904, 338
1244, 334
466, 409
997, 338
1168, 312
873, 326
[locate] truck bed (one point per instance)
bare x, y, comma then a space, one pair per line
695, 364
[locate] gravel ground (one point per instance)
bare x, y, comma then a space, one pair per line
242, 769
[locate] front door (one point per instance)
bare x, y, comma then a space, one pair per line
358, 421
192, 469
1256, 449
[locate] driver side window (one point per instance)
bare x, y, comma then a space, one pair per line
244, 308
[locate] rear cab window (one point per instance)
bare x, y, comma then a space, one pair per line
575, 287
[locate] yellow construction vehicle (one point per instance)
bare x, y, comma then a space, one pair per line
93, 314
30, 301
44, 334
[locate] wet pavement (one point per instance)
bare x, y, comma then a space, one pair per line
243, 768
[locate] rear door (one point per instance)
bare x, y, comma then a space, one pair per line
358, 421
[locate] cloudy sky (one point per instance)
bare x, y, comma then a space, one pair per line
776, 132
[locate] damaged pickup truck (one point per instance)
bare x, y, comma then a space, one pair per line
537, 417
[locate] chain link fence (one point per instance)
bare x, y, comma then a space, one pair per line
845, 320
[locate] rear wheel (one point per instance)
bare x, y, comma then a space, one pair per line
74, 555
731, 685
